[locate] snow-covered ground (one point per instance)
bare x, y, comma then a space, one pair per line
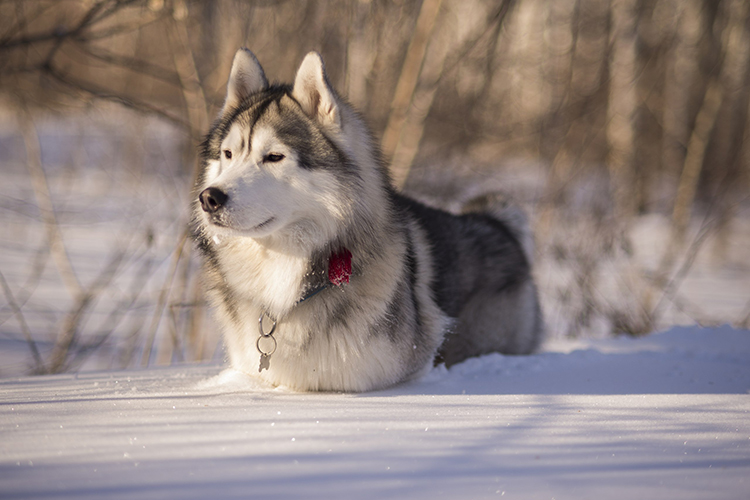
666, 416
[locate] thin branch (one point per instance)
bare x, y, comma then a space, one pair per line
705, 123
21, 20
671, 287
44, 202
38, 362
496, 20
192, 91
133, 64
103, 94
163, 296
409, 77
69, 332
119, 29
60, 33
694, 158
116, 314
413, 98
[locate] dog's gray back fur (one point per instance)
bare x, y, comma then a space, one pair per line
482, 278
425, 283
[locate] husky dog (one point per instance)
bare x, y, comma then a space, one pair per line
322, 276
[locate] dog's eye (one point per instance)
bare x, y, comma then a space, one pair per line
273, 158
227, 154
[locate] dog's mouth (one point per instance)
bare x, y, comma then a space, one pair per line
263, 224
224, 225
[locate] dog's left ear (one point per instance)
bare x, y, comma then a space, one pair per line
245, 79
313, 92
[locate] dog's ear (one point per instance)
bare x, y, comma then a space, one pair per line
313, 92
245, 79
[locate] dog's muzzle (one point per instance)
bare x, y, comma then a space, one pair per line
212, 199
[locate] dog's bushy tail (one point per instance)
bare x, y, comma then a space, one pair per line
499, 206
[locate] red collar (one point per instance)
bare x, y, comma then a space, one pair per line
339, 271
340, 267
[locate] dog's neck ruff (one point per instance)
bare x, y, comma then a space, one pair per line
339, 272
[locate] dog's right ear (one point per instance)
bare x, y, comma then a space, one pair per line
245, 79
313, 92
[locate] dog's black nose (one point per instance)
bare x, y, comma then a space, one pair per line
212, 199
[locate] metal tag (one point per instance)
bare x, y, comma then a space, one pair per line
264, 362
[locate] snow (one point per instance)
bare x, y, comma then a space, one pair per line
665, 416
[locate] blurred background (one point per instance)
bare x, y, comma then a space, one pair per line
620, 125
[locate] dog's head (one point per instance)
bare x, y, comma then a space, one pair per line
282, 160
